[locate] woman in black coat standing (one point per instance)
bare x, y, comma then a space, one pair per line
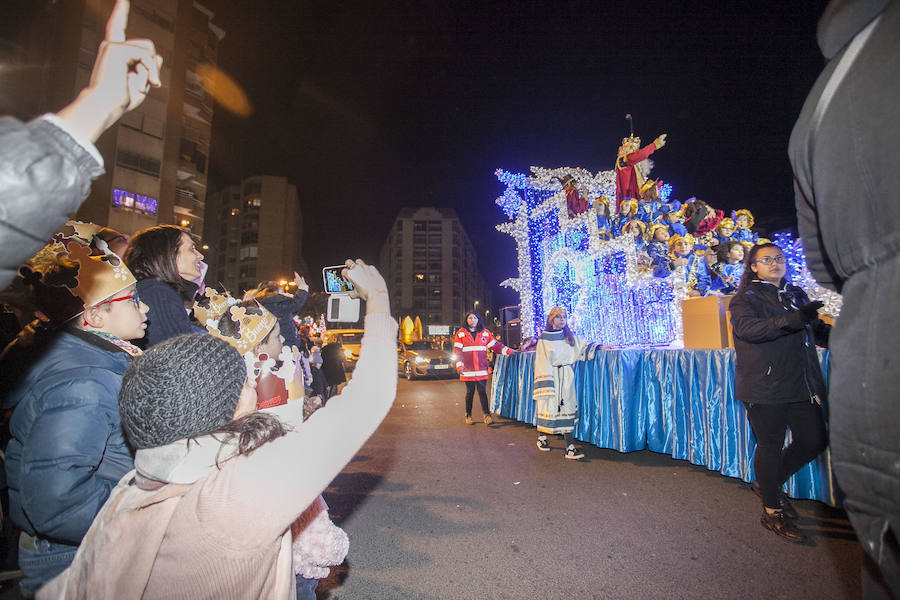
778, 378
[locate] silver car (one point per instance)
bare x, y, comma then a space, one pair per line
422, 358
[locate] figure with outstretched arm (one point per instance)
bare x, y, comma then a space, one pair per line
631, 172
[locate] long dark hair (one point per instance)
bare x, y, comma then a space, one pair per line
478, 326
251, 431
750, 257
151, 255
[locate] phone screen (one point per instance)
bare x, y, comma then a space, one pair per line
334, 283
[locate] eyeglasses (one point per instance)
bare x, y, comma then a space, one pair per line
768, 260
133, 297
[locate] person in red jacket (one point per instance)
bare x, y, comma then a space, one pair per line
630, 174
471, 344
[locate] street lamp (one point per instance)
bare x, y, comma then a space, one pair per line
475, 307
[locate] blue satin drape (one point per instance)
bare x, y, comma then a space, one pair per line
677, 402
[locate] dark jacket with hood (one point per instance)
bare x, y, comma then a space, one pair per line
68, 450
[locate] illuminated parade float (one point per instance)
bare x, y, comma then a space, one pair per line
651, 386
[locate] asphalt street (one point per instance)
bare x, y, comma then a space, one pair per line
436, 509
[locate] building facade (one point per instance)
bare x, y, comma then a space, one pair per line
253, 233
156, 156
431, 270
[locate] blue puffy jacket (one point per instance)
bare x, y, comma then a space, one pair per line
67, 450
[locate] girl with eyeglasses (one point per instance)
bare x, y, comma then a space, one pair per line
778, 378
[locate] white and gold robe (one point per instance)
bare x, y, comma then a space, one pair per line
554, 381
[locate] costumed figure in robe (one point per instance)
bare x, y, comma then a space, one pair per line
658, 246
575, 202
554, 381
604, 223
696, 271
730, 267
743, 222
628, 211
632, 167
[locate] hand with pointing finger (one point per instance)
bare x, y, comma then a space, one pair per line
124, 72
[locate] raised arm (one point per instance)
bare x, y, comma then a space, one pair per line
287, 474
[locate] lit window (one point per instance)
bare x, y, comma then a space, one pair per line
420, 276
235, 212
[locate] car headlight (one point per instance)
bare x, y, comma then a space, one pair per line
421, 360
348, 354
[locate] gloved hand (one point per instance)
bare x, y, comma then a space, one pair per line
660, 141
810, 310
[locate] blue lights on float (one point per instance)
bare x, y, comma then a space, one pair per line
612, 298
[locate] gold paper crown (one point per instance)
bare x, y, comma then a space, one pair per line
628, 205
641, 225
746, 213
96, 274
602, 200
726, 222
656, 227
647, 185
209, 307
678, 238
763, 241
253, 324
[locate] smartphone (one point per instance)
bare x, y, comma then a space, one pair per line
334, 282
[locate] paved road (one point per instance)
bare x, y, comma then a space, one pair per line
437, 509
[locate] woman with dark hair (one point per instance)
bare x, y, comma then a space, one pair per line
778, 378
207, 510
166, 264
554, 381
471, 344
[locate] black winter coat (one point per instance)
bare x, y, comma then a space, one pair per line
776, 360
284, 307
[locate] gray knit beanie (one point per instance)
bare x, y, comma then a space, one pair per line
184, 387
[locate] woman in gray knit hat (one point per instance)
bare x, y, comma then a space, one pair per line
207, 510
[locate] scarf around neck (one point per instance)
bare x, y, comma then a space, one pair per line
184, 461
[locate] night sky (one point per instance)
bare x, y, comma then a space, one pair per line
368, 107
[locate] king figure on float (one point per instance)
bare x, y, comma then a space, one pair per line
631, 168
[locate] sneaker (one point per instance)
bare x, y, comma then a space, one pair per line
781, 525
543, 445
789, 511
468, 419
488, 420
574, 453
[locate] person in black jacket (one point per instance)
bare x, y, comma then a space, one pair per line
166, 264
844, 150
778, 378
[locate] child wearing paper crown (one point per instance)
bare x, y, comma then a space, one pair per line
67, 449
696, 271
256, 334
743, 222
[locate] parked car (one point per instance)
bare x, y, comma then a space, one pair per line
422, 358
349, 339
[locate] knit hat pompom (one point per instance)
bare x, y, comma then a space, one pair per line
184, 387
